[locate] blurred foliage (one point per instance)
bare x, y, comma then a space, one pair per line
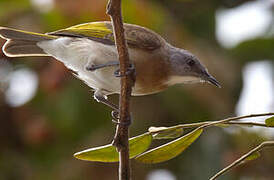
38, 139
270, 121
261, 48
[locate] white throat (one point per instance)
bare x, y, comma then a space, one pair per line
183, 80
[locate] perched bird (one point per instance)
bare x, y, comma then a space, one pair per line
89, 50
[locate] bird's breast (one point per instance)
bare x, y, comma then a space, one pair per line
152, 72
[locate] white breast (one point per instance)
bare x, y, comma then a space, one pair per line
76, 53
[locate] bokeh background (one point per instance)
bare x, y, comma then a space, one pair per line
46, 114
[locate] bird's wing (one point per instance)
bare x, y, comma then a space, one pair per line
136, 36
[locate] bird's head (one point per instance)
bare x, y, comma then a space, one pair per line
186, 68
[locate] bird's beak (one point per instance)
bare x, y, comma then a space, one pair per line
210, 79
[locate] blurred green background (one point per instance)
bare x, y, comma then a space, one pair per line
46, 114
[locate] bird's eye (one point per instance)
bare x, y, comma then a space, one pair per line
190, 62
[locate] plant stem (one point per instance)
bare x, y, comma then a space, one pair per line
248, 124
241, 159
229, 121
120, 140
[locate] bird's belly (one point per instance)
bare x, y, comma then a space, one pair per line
77, 53
102, 79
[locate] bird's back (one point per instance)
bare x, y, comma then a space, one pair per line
136, 36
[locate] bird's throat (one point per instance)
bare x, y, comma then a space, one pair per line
182, 80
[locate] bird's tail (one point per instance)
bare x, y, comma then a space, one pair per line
22, 43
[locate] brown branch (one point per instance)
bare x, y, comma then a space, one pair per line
241, 159
122, 129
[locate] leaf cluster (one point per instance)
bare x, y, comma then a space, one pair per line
138, 146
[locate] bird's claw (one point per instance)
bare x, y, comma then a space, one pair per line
130, 71
115, 116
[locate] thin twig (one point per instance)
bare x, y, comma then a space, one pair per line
248, 124
229, 121
120, 140
203, 125
241, 159
246, 116
223, 121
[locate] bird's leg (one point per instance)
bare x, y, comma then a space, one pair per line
93, 67
100, 97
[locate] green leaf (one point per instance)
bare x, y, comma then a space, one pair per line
253, 156
165, 133
270, 121
169, 150
108, 153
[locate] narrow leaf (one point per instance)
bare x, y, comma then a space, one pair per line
270, 121
169, 150
108, 153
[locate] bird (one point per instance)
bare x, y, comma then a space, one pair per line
89, 51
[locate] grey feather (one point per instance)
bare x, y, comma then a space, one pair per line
20, 48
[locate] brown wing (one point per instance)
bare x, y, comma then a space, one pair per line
136, 36
141, 37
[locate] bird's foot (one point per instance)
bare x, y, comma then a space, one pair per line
130, 71
100, 97
115, 116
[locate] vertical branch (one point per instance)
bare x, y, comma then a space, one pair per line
122, 131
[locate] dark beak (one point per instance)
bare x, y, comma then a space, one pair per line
210, 79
